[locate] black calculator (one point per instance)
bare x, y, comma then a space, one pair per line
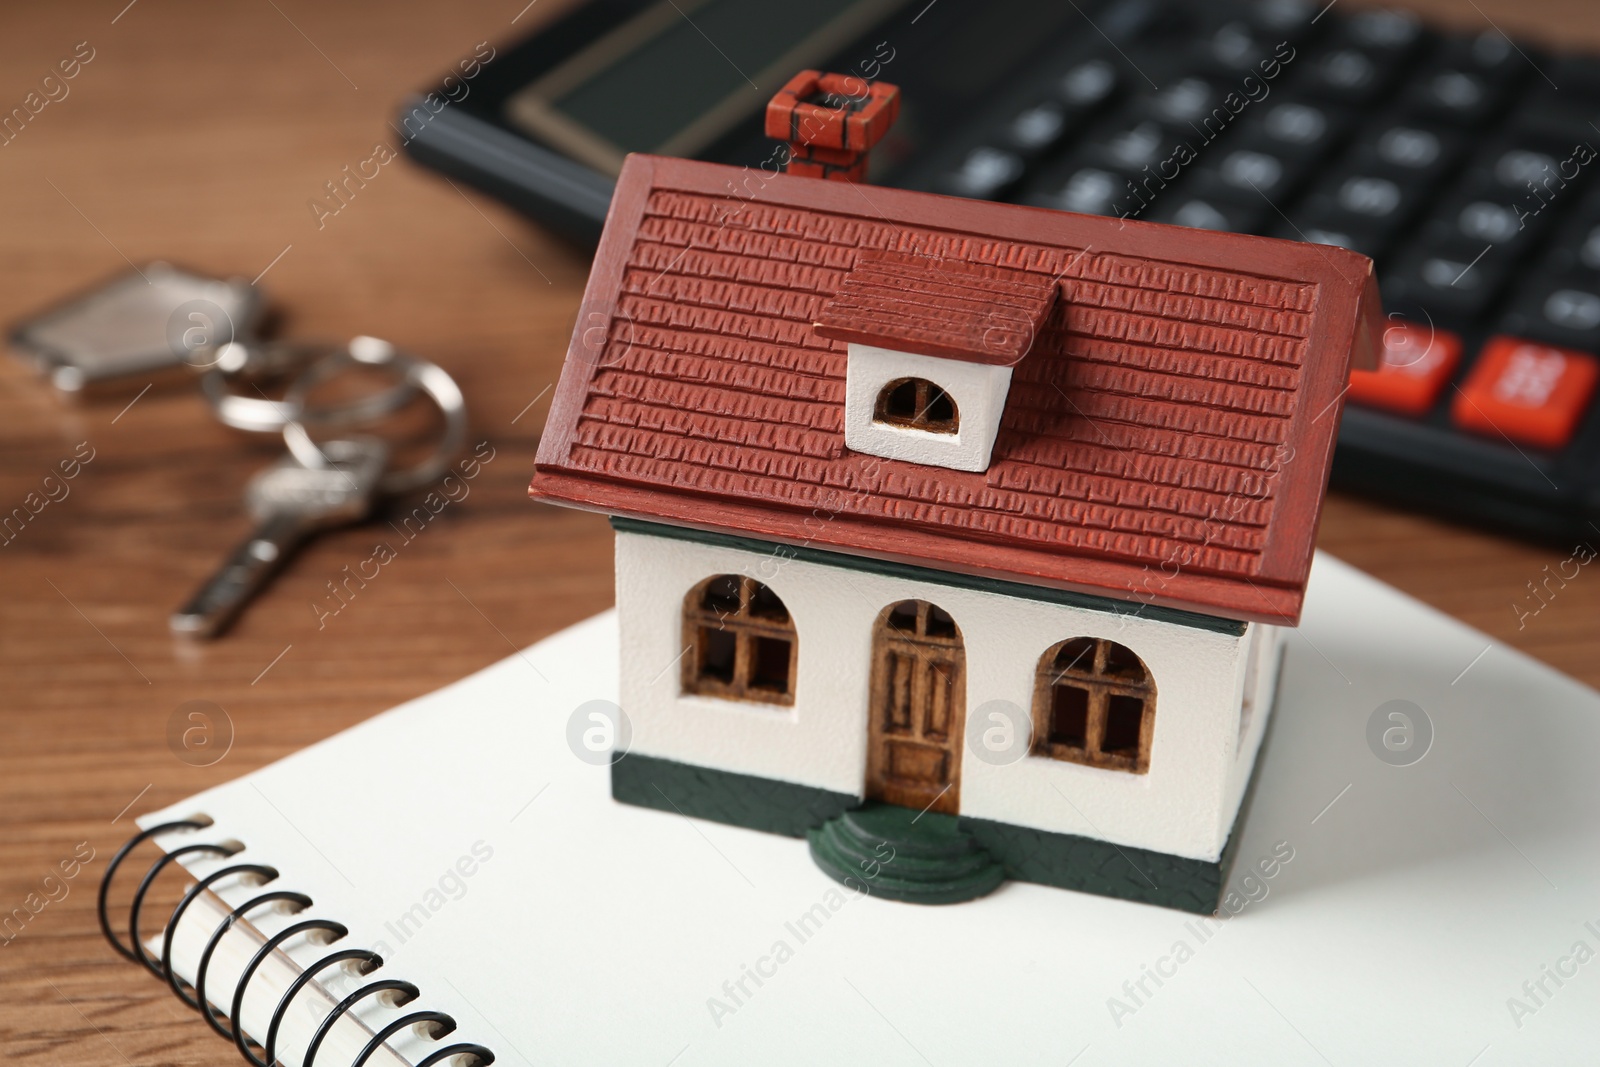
1463, 163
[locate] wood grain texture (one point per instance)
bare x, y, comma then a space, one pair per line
1094, 670
727, 622
916, 708
199, 132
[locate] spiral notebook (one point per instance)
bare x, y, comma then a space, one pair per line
1443, 911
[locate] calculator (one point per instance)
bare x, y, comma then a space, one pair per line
1462, 163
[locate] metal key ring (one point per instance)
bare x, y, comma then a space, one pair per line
430, 378
257, 359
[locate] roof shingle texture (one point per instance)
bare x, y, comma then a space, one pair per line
938, 307
1166, 439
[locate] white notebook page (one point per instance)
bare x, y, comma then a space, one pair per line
1421, 906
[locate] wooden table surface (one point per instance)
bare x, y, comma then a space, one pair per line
202, 133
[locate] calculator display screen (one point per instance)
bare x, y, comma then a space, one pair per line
682, 73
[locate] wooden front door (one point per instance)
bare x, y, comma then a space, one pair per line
917, 709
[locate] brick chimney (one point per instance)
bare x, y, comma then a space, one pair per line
831, 122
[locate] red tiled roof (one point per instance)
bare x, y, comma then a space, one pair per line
1167, 440
939, 307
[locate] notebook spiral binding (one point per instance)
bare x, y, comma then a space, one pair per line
226, 1025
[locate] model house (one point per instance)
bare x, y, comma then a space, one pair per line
965, 529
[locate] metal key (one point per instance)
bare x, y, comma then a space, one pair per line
289, 504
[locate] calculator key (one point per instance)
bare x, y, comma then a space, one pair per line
1235, 47
1129, 20
1366, 198
1545, 163
1132, 148
1370, 241
1409, 148
1490, 52
1245, 173
984, 174
1540, 182
1285, 19
1088, 190
1485, 213
1207, 213
1488, 220
1185, 101
1490, 55
1375, 198
1417, 363
1304, 125
1304, 128
1450, 94
1363, 56
1347, 76
1533, 394
1519, 166
1572, 309
1561, 309
1384, 28
1245, 169
1449, 281
1406, 152
1037, 129
1088, 85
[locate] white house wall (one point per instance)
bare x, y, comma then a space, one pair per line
1182, 806
979, 392
1257, 695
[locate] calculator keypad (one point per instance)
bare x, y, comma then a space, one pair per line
1448, 158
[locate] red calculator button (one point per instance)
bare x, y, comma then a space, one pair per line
1417, 361
1531, 393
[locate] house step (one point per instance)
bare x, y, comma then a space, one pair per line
902, 854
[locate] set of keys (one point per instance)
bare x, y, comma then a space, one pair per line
323, 485
149, 322
289, 503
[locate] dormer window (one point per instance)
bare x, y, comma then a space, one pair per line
917, 404
931, 347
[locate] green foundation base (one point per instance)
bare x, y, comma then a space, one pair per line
901, 854
724, 796
936, 859
1089, 866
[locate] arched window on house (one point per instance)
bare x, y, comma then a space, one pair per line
740, 642
1095, 703
917, 404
